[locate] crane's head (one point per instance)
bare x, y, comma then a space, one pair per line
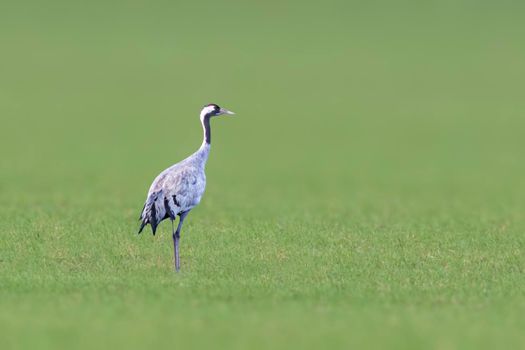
213, 110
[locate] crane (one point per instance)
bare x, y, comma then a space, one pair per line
179, 188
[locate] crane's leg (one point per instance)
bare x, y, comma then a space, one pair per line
175, 245
176, 239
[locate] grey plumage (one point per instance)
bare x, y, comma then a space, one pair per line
178, 189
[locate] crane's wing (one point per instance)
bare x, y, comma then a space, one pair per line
158, 206
172, 191
152, 213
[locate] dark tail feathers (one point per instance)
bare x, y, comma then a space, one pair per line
150, 213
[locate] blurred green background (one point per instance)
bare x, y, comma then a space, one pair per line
369, 192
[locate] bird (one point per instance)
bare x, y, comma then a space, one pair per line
179, 188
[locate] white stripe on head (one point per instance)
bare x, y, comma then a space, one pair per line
206, 110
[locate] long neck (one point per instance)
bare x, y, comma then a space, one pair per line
205, 121
204, 150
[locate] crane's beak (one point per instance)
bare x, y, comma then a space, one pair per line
225, 111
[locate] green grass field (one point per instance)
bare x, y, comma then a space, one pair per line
369, 193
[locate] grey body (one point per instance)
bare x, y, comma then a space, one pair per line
178, 189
